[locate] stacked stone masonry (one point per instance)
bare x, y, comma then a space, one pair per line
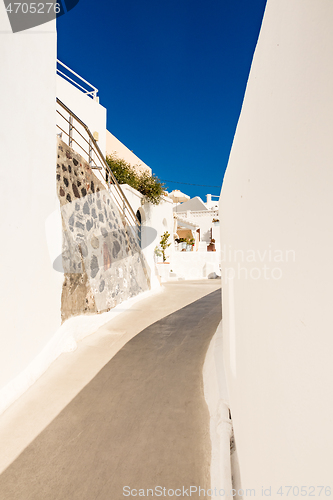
101, 260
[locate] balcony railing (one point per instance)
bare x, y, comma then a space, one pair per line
199, 213
79, 82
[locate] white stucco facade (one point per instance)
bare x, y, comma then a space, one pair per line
116, 148
202, 215
276, 209
88, 110
155, 220
196, 265
30, 288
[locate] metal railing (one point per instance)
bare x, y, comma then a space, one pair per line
79, 134
91, 91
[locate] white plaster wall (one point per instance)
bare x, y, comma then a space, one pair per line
30, 290
133, 196
216, 236
216, 396
277, 194
205, 223
89, 111
115, 147
195, 265
158, 217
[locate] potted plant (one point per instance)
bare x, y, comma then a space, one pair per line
182, 243
216, 222
211, 246
179, 242
189, 244
163, 267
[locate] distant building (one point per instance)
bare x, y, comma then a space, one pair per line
199, 218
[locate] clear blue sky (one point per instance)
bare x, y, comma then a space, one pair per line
172, 75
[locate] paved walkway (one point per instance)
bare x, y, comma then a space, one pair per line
141, 421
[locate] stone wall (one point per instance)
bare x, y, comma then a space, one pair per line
101, 260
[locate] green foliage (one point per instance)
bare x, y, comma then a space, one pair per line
148, 185
164, 243
122, 171
151, 187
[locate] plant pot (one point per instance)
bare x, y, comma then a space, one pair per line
211, 247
